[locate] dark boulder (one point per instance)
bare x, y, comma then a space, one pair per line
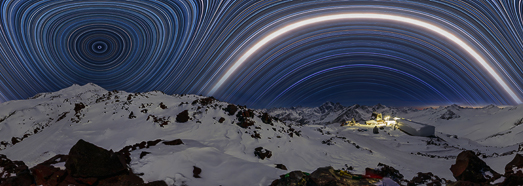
281, 166
262, 153
426, 179
325, 176
183, 116
143, 154
46, 174
231, 109
266, 118
78, 107
390, 172
294, 178
14, 173
131, 115
375, 130
204, 101
514, 171
173, 142
196, 172
470, 168
243, 118
88, 160
516, 163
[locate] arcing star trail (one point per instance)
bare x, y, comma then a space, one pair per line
269, 53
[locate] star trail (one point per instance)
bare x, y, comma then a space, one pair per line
269, 53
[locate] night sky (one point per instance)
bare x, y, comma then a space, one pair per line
269, 53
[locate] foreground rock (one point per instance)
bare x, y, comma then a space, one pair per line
87, 160
324, 176
514, 171
470, 168
86, 164
14, 172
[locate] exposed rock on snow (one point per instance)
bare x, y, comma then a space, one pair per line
183, 116
449, 115
262, 153
469, 168
9, 171
426, 179
173, 142
281, 166
324, 176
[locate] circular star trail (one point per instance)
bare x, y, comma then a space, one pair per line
409, 53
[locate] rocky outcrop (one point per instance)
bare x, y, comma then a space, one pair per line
244, 118
231, 109
204, 101
14, 173
426, 179
514, 171
325, 176
182, 117
471, 168
86, 164
88, 160
385, 171
262, 153
449, 115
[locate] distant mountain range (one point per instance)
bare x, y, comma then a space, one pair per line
330, 113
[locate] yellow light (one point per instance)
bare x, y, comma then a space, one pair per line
387, 17
396, 118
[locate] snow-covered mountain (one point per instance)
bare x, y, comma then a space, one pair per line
227, 142
489, 125
329, 113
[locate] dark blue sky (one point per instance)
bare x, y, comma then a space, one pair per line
192, 47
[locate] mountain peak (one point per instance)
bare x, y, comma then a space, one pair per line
330, 106
379, 106
490, 106
454, 106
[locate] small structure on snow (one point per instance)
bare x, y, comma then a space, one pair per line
416, 128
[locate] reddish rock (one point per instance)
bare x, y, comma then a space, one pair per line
231, 109
42, 173
14, 172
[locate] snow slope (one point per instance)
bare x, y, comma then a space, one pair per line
36, 129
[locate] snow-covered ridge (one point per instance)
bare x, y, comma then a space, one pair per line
223, 136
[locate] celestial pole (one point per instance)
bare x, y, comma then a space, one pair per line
267, 54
